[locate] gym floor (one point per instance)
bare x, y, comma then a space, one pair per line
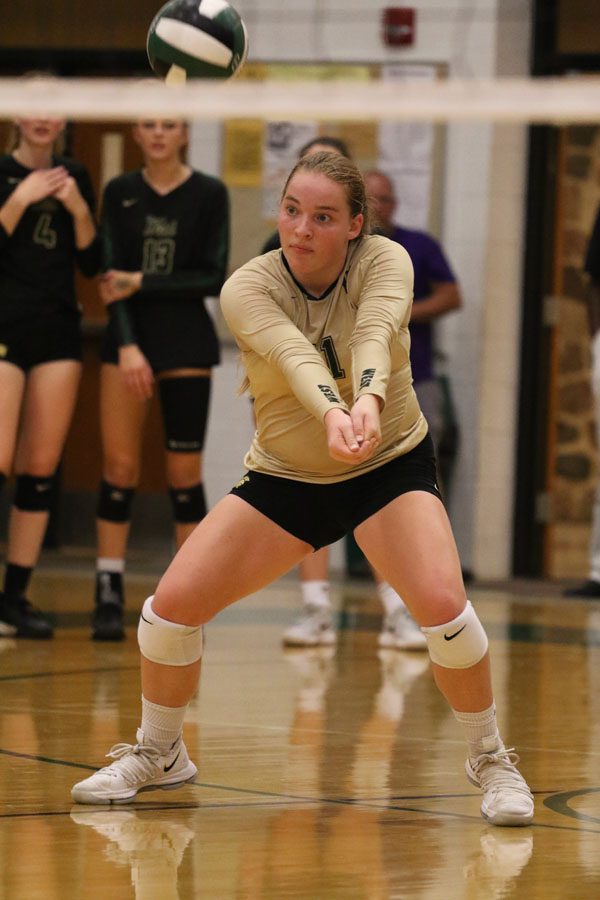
323, 773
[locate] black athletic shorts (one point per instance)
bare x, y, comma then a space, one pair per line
321, 514
41, 339
180, 335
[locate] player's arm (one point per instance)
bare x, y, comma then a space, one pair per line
77, 196
35, 187
259, 324
112, 241
444, 297
384, 307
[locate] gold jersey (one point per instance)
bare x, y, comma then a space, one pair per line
304, 356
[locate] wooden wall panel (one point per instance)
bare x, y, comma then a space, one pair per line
67, 24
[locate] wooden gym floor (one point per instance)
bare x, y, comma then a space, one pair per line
322, 774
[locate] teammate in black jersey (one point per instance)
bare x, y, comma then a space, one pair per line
46, 226
165, 232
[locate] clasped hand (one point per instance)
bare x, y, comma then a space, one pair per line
118, 285
55, 182
353, 438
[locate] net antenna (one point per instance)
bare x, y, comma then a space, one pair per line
572, 99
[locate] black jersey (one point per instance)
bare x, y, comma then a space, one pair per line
37, 260
180, 242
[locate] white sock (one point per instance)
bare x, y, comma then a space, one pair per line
390, 599
316, 593
162, 725
481, 731
106, 564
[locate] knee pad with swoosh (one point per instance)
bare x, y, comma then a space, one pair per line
168, 643
458, 644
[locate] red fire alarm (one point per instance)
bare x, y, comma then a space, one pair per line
398, 26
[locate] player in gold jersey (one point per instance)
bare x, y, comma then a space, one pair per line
341, 445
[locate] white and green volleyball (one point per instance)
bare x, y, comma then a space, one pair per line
196, 39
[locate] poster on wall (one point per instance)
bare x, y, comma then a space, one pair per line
243, 156
283, 141
405, 153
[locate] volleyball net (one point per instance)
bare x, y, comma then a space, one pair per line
572, 99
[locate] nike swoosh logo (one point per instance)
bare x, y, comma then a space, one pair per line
145, 619
168, 768
42, 487
130, 202
450, 637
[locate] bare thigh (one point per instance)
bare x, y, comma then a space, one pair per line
122, 418
234, 551
410, 543
12, 387
48, 404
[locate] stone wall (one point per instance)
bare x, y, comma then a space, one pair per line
576, 458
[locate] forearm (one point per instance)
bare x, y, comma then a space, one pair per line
443, 299
11, 213
121, 320
371, 366
85, 228
309, 379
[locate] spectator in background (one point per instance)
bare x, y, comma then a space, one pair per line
436, 293
315, 625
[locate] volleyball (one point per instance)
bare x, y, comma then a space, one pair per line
196, 39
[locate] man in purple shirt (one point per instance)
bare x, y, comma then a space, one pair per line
435, 294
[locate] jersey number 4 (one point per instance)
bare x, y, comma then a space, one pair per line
327, 347
43, 233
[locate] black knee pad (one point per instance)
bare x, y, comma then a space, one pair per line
189, 504
184, 404
34, 493
114, 503
2, 480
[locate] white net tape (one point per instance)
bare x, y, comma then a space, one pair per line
534, 100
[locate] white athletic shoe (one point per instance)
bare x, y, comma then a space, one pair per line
507, 799
137, 767
314, 627
400, 632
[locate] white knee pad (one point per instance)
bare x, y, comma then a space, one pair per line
166, 642
458, 644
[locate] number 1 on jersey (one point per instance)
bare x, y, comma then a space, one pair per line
327, 347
